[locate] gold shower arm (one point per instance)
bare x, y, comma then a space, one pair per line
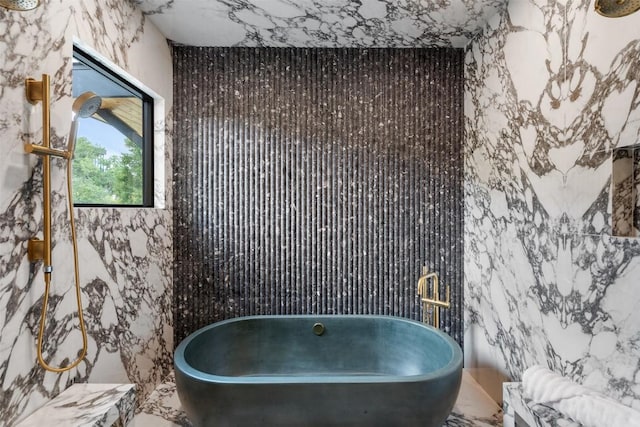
44, 151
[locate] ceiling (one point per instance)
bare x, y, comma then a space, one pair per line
320, 23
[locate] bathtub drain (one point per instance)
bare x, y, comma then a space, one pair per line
318, 329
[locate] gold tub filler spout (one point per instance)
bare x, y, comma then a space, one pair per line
431, 300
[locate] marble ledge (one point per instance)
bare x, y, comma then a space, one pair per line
520, 411
473, 408
87, 405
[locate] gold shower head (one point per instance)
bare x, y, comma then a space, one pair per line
20, 5
616, 8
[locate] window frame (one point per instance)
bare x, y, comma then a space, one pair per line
147, 130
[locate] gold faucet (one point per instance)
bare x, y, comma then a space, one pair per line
434, 300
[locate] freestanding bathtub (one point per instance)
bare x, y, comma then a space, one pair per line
318, 371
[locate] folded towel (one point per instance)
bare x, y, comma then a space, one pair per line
586, 406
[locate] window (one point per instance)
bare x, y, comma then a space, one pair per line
113, 158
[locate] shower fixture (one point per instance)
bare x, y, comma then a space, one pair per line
20, 5
84, 106
616, 8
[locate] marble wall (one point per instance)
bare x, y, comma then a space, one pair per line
125, 254
321, 23
551, 88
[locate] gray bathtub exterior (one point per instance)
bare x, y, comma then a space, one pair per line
276, 371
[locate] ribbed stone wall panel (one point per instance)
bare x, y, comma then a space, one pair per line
315, 181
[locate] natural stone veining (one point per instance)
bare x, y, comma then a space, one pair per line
519, 407
318, 23
551, 88
127, 288
88, 405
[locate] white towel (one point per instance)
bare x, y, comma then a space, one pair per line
588, 407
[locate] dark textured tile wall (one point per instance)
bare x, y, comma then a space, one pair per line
316, 181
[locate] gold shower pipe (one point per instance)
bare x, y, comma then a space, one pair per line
39, 91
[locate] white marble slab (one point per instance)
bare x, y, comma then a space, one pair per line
518, 409
473, 408
87, 405
320, 23
548, 94
125, 254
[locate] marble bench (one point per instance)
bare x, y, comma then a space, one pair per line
90, 405
520, 411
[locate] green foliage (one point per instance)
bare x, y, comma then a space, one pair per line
98, 179
128, 175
